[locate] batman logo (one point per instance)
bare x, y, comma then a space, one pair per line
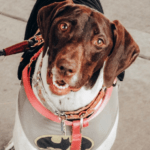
61, 142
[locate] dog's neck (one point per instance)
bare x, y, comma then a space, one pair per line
71, 101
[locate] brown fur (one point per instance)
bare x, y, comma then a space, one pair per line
74, 51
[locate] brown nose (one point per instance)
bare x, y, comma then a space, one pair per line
67, 68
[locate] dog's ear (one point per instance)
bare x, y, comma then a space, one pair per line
123, 54
45, 17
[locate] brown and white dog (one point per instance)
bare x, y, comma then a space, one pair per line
83, 51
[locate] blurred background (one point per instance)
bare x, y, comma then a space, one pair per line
134, 94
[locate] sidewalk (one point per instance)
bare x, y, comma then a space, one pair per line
134, 120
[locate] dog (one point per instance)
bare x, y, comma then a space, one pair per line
83, 53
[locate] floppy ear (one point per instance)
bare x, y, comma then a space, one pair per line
123, 54
45, 18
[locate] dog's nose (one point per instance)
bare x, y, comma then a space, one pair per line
67, 68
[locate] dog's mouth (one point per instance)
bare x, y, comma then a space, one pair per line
60, 84
59, 87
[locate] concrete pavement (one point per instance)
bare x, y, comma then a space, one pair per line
134, 120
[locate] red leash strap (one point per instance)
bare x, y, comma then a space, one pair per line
34, 41
76, 133
17, 48
76, 136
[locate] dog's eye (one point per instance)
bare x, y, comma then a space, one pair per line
99, 42
63, 26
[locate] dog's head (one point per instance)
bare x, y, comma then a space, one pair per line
79, 41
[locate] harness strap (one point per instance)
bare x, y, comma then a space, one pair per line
76, 136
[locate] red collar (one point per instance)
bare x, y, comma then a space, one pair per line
76, 140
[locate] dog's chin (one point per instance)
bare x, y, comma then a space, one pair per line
59, 87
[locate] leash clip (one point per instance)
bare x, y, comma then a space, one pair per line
81, 124
63, 117
63, 126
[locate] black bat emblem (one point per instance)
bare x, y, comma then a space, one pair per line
46, 142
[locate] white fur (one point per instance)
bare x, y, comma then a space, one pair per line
73, 100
